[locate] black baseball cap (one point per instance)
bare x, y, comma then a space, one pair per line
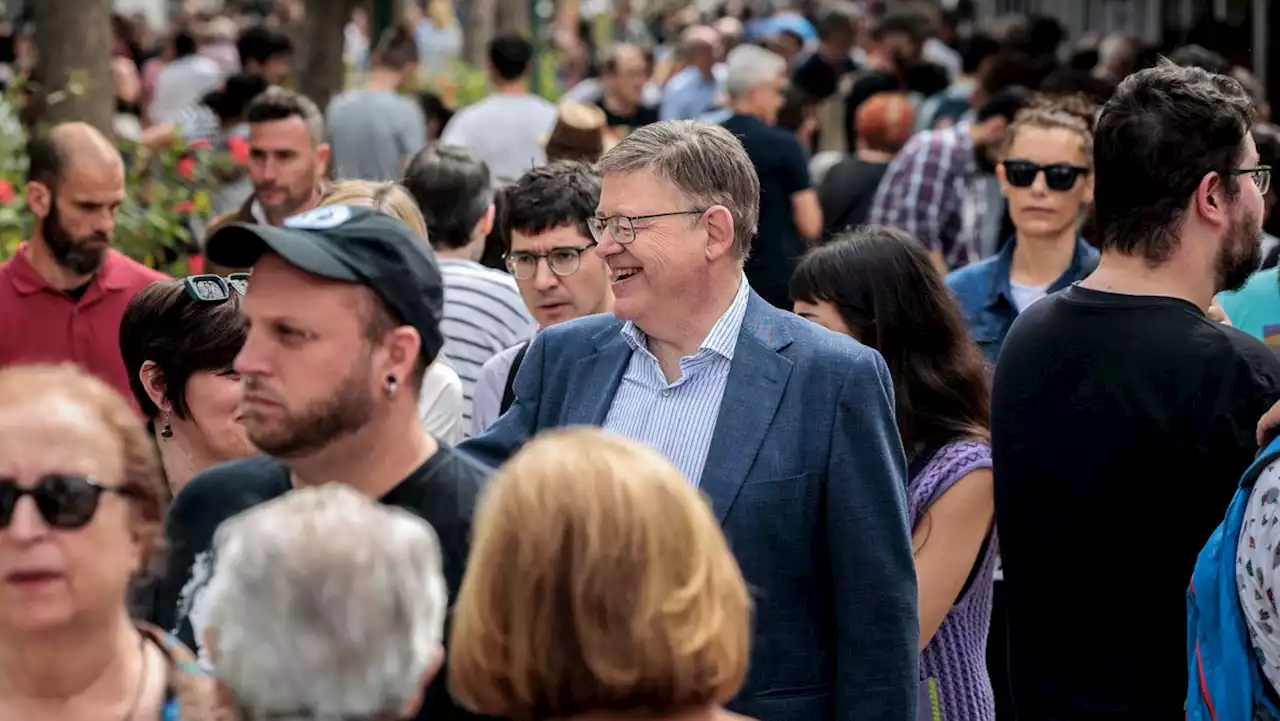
355, 245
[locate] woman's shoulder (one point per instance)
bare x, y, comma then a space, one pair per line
955, 460
193, 692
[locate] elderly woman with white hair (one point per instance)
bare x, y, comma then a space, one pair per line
326, 605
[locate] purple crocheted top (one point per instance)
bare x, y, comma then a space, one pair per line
957, 654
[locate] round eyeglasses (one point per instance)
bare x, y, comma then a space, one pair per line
562, 261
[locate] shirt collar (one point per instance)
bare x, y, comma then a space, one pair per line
1001, 287
27, 280
723, 338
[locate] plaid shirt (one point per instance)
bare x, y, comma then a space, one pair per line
931, 191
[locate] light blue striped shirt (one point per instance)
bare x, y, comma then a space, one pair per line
678, 419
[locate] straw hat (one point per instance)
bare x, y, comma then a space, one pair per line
580, 133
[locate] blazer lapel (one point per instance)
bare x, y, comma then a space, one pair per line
757, 378
596, 376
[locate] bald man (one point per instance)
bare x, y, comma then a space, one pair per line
63, 294
699, 87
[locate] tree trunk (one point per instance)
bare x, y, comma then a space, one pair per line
320, 68
479, 30
72, 78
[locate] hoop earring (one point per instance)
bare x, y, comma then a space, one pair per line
393, 385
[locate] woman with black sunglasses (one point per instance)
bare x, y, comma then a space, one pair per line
178, 339
81, 505
1046, 177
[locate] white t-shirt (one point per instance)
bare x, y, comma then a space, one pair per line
440, 403
1025, 295
505, 131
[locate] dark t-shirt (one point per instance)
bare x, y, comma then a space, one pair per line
1120, 427
443, 491
784, 170
846, 194
644, 115
819, 78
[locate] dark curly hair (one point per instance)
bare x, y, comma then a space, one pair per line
1159, 135
545, 198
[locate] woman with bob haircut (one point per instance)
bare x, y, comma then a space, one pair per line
81, 506
599, 583
440, 401
178, 339
880, 286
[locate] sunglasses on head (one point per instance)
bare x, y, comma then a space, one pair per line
210, 288
1058, 177
65, 500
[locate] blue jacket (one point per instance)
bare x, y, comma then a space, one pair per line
807, 476
987, 300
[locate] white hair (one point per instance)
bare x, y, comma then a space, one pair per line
751, 66
326, 603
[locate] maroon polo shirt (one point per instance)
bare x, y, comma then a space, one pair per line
41, 324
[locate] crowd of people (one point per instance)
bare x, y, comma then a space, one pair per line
791, 368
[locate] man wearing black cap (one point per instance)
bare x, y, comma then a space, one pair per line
344, 312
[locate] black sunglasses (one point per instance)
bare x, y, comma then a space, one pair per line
214, 288
1059, 177
65, 500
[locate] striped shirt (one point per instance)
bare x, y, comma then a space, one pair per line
483, 315
933, 191
678, 419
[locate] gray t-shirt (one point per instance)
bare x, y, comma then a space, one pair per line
373, 133
505, 131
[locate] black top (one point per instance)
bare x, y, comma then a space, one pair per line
643, 115
1120, 427
784, 170
846, 194
819, 78
443, 491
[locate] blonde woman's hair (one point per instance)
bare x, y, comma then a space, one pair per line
598, 580
440, 12
385, 197
1067, 112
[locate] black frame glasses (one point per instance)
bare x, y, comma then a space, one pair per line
562, 261
66, 501
623, 227
1261, 176
1058, 177
210, 288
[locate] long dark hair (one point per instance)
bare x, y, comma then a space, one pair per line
892, 298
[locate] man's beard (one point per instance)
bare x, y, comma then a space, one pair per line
74, 254
1241, 252
346, 411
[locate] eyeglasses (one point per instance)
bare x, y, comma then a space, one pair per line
561, 261
1261, 176
623, 228
1059, 177
214, 288
65, 500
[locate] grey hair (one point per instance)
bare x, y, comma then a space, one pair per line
751, 66
326, 603
277, 103
706, 163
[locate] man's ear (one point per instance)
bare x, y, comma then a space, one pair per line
39, 198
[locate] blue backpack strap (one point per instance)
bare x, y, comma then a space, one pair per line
1224, 682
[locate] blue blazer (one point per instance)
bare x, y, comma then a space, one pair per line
807, 476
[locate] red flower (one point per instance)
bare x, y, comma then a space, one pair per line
7, 195
185, 207
187, 167
239, 148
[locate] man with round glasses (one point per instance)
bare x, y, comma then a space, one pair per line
547, 215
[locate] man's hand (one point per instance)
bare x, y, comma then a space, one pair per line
1216, 313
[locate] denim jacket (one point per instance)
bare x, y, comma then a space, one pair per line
986, 299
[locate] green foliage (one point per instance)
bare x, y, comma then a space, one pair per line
162, 195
